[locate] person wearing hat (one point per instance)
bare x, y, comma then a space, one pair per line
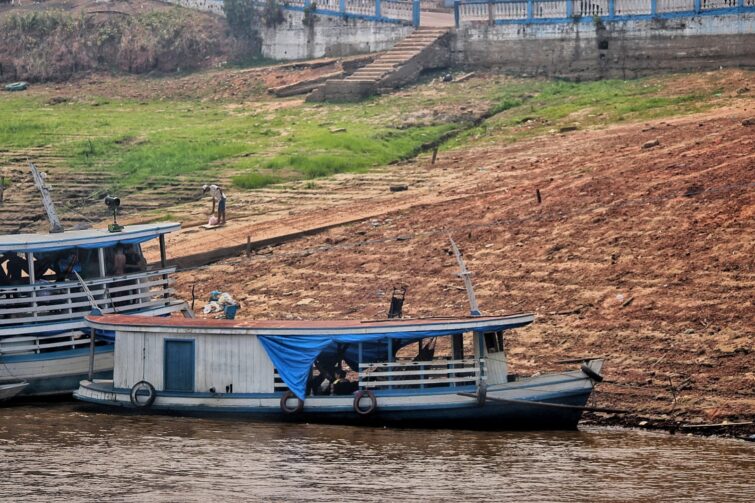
217, 196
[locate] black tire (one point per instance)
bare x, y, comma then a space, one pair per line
291, 410
358, 397
137, 391
591, 373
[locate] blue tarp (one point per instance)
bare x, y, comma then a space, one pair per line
293, 356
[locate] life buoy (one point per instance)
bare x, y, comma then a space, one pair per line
291, 410
358, 397
142, 394
591, 373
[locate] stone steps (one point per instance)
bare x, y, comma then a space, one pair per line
399, 66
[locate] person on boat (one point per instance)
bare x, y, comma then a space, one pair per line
342, 386
16, 266
218, 196
119, 261
67, 264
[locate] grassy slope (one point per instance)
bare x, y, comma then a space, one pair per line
262, 143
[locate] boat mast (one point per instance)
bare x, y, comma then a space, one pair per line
52, 215
466, 276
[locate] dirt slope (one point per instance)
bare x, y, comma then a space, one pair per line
643, 255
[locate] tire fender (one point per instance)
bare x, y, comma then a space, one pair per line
291, 410
358, 397
138, 391
591, 373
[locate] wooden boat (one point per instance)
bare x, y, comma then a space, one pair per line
50, 282
8, 391
273, 370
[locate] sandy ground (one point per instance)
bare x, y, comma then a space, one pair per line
643, 255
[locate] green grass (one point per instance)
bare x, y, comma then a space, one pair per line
146, 143
538, 107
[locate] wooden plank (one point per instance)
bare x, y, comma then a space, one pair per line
418, 363
84, 304
397, 373
90, 283
35, 347
375, 384
40, 337
79, 314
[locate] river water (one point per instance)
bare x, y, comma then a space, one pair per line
63, 453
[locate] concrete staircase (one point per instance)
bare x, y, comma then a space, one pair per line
426, 48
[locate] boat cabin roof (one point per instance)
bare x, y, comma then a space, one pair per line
89, 238
302, 327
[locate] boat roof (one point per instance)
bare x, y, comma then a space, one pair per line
301, 327
89, 238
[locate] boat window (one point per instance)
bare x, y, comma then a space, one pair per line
494, 342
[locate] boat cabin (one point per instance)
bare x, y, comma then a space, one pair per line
308, 359
50, 282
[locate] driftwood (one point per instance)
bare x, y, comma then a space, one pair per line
716, 425
546, 404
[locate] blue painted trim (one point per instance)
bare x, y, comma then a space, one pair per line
642, 17
378, 9
612, 8
55, 355
457, 14
653, 8
530, 10
193, 360
342, 6
698, 6
348, 15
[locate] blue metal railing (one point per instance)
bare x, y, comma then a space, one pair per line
382, 11
570, 11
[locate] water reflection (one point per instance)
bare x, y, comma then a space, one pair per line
61, 452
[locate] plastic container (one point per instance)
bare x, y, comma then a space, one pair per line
230, 312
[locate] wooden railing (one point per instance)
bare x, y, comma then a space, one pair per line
422, 374
40, 343
567, 11
56, 302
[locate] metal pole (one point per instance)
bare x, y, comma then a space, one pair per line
467, 277
91, 354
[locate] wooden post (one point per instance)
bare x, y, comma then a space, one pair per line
163, 255
435, 155
491, 13
248, 246
164, 264
539, 197
390, 359
32, 280
91, 354
101, 258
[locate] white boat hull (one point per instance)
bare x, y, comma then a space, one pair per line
12, 389
568, 391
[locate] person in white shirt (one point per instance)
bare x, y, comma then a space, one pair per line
217, 196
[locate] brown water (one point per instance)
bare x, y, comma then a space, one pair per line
59, 452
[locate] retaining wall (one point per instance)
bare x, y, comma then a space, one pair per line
609, 49
329, 36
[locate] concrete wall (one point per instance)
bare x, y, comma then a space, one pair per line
330, 36
622, 49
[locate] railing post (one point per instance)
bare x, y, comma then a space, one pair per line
415, 13
377, 9
612, 8
457, 13
342, 6
569, 8
491, 13
306, 3
654, 7
530, 8
698, 6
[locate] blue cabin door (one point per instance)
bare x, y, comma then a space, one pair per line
179, 365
